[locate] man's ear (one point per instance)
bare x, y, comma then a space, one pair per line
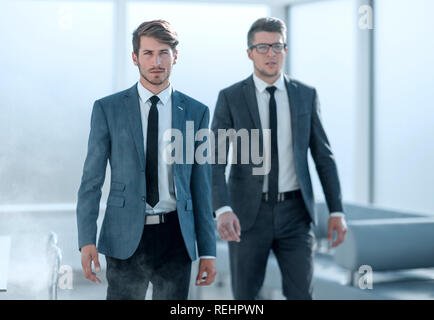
249, 54
133, 55
175, 56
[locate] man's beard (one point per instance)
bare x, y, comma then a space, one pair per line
266, 74
153, 82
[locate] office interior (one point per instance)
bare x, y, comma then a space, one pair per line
371, 61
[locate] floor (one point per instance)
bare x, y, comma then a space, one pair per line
29, 275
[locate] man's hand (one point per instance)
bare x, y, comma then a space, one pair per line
206, 266
339, 225
89, 253
229, 227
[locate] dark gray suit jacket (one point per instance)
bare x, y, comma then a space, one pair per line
116, 136
237, 108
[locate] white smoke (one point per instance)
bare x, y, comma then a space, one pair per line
28, 271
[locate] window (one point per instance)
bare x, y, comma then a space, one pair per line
56, 59
404, 126
321, 54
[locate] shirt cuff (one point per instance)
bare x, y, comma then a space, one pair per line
207, 257
337, 214
221, 210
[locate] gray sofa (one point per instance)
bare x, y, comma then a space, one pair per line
397, 246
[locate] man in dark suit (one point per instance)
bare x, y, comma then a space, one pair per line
156, 210
274, 210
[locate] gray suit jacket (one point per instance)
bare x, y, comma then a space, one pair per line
237, 108
116, 136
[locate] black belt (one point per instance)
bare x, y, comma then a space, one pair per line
159, 218
282, 196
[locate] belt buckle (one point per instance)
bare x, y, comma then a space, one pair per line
153, 219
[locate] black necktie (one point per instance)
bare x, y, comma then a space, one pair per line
273, 176
152, 196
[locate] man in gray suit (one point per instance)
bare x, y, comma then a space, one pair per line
273, 211
156, 210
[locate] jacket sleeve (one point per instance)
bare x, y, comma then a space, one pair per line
222, 120
89, 193
201, 195
324, 159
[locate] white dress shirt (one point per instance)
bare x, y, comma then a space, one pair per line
287, 180
166, 187
287, 176
166, 182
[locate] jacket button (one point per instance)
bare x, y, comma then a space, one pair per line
143, 198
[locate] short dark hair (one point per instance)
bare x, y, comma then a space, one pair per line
158, 29
267, 24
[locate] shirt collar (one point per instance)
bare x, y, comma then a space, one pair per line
261, 85
145, 94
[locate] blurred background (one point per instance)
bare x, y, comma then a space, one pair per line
372, 63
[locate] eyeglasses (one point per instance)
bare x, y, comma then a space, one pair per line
264, 47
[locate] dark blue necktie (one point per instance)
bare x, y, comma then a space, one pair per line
273, 176
152, 195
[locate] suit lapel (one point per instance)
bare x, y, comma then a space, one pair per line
178, 111
133, 110
252, 103
178, 117
291, 88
